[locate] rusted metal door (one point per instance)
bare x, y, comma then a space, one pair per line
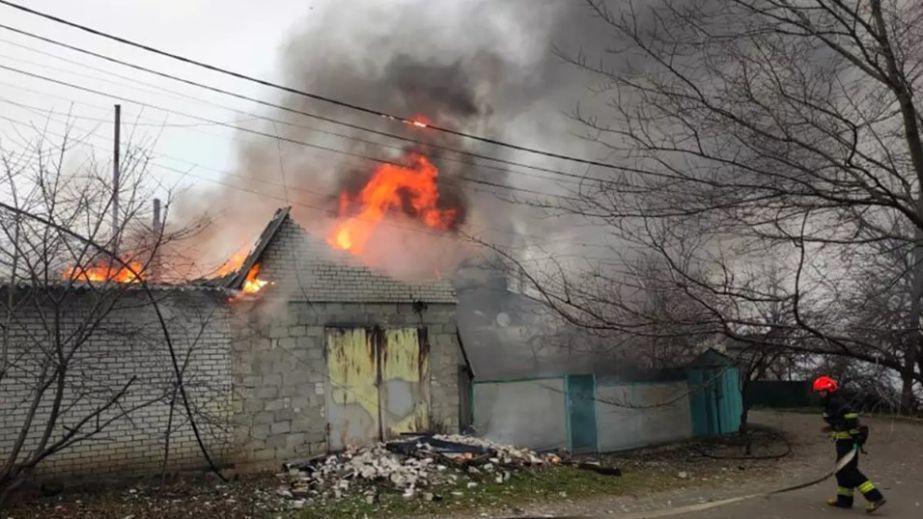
352, 396
404, 394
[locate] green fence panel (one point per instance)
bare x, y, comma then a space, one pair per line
581, 413
731, 401
700, 403
715, 402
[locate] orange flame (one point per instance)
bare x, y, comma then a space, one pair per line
412, 188
252, 283
233, 263
103, 273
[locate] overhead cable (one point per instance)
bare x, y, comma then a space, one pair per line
330, 120
303, 93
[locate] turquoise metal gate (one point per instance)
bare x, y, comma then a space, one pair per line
581, 415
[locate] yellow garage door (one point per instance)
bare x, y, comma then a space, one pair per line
378, 384
404, 392
352, 396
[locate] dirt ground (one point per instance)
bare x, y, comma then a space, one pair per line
894, 463
658, 482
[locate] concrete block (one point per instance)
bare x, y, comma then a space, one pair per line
267, 392
277, 330
264, 417
296, 375
260, 432
315, 354
283, 415
277, 442
264, 454
288, 343
275, 405
295, 440
280, 427
273, 379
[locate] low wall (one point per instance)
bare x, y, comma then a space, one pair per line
631, 415
535, 413
121, 348
528, 413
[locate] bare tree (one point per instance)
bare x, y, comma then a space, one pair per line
753, 133
64, 297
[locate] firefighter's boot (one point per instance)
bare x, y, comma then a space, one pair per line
843, 499
872, 495
874, 505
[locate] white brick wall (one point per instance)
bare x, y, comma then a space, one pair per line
255, 372
127, 342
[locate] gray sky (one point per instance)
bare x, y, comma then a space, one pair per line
237, 34
252, 37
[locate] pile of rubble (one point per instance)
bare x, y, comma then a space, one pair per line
505, 455
411, 466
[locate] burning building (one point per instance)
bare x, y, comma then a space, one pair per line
297, 349
332, 353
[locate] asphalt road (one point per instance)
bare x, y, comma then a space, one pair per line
894, 464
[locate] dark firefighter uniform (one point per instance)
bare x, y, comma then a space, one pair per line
844, 425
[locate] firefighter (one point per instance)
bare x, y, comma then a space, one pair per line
843, 424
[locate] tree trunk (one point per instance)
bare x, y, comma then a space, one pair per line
920, 366
745, 410
913, 341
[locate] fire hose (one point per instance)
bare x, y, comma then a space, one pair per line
699, 507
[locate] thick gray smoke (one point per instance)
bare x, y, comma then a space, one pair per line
483, 67
480, 67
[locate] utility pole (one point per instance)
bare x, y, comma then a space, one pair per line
115, 178
156, 236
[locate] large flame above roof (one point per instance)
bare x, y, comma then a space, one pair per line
410, 189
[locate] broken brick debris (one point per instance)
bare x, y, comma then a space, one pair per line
411, 466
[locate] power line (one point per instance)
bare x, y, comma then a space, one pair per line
538, 239
293, 141
310, 95
269, 135
49, 113
264, 195
236, 187
147, 88
136, 122
330, 120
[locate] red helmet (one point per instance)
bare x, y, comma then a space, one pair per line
825, 383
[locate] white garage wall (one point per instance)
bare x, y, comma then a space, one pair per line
621, 425
527, 413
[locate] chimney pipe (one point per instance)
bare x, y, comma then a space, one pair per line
156, 231
157, 226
